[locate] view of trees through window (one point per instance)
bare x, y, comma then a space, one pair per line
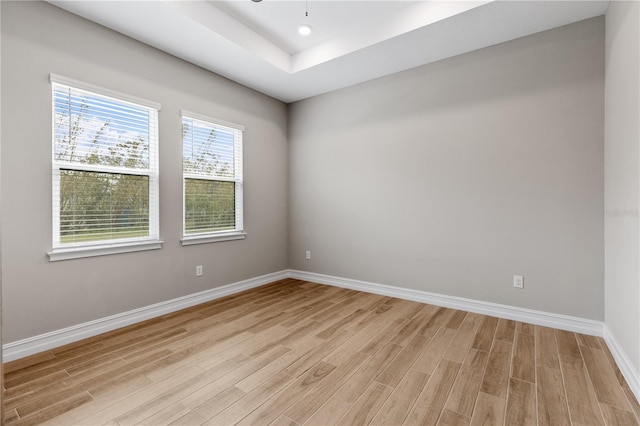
209, 206
98, 206
105, 179
209, 186
101, 152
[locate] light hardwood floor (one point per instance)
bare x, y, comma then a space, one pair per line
294, 353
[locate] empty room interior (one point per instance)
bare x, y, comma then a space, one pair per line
320, 212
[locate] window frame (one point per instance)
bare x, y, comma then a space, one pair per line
238, 141
64, 251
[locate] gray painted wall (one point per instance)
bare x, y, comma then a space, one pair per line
492, 160
39, 296
622, 177
453, 177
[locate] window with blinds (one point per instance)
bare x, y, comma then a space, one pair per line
105, 167
212, 176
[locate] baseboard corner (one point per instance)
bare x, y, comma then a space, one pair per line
547, 319
33, 345
631, 375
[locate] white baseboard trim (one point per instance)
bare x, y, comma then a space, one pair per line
43, 342
32, 345
625, 365
563, 322
46, 341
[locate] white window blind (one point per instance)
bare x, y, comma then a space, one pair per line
105, 167
212, 172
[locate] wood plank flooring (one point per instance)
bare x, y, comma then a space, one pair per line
298, 353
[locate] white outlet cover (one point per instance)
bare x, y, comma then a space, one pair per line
518, 281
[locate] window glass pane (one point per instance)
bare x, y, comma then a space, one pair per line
209, 206
105, 167
102, 206
93, 129
207, 149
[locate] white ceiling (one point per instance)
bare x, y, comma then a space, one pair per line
257, 44
278, 20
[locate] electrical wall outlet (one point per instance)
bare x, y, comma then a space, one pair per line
308, 255
518, 281
199, 271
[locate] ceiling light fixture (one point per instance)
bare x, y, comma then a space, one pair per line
305, 29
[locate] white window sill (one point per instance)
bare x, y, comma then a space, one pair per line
102, 250
189, 240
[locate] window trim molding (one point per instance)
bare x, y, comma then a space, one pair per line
58, 254
100, 248
196, 116
189, 240
77, 84
225, 235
